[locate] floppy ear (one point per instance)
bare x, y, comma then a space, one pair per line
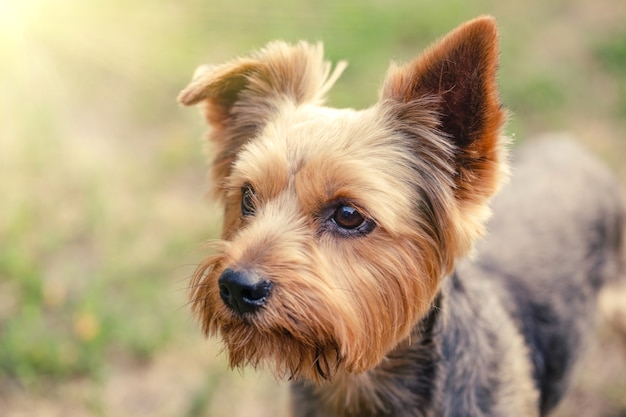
241, 96
456, 80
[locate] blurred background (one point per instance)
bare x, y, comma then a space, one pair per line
103, 211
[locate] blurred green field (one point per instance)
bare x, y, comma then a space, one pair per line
103, 211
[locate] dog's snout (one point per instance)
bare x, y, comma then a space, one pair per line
243, 291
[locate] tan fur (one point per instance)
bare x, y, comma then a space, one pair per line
281, 242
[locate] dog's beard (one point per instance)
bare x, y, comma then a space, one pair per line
289, 355
313, 328
294, 339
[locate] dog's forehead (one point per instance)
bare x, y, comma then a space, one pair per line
306, 132
306, 138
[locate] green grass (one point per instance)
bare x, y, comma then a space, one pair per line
103, 177
611, 52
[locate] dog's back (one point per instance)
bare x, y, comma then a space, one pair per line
556, 237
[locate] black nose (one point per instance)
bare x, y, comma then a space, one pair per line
243, 292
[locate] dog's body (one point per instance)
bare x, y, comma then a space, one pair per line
343, 229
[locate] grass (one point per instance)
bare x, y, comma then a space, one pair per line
611, 52
103, 177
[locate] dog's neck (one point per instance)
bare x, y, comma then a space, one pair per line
405, 381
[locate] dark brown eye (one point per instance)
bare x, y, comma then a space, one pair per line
347, 217
247, 200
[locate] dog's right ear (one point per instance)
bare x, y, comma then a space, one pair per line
241, 96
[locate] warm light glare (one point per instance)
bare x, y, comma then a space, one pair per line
16, 18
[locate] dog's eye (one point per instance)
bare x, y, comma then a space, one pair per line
347, 217
247, 200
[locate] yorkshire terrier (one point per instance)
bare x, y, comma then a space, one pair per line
343, 263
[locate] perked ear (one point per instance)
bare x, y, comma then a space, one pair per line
242, 95
456, 79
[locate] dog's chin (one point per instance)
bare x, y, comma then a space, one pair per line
251, 341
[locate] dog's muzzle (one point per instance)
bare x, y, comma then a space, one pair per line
243, 291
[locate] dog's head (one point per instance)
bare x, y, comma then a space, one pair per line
339, 224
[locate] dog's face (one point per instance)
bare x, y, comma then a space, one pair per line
339, 224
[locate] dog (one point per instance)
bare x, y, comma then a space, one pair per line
348, 260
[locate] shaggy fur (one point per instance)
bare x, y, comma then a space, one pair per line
339, 265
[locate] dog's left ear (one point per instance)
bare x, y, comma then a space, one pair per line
455, 79
241, 96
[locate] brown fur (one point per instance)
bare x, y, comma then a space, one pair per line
352, 312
